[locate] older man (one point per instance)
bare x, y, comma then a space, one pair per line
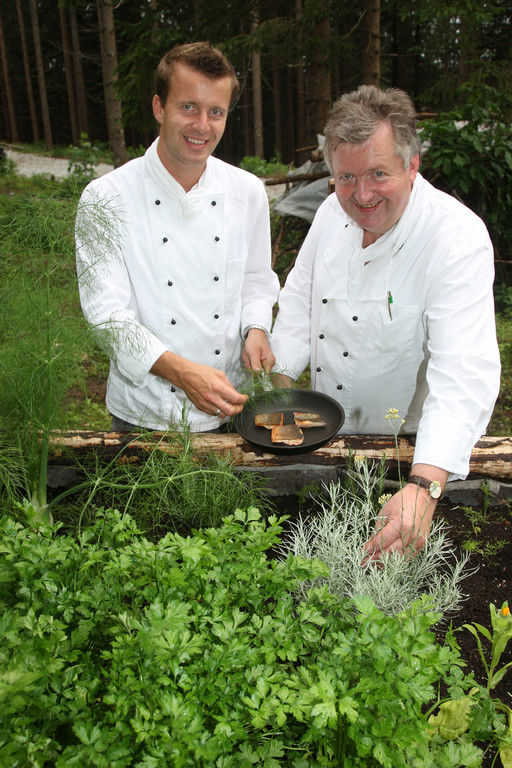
173, 253
391, 303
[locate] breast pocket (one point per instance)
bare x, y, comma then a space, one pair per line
396, 330
234, 277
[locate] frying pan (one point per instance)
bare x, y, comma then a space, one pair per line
287, 401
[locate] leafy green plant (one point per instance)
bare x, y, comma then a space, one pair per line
83, 159
336, 533
261, 167
478, 517
480, 715
6, 164
501, 421
469, 155
192, 652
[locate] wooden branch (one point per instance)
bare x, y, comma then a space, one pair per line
298, 177
491, 457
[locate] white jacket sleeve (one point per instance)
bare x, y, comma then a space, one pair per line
260, 284
104, 286
463, 373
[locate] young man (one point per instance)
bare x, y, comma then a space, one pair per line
391, 303
173, 254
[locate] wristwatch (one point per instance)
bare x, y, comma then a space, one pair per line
432, 486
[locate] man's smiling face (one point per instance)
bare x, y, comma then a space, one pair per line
192, 122
372, 185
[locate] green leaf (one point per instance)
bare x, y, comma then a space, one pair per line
453, 718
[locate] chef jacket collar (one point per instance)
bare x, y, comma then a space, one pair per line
392, 241
190, 204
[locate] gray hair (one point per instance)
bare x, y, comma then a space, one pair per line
355, 117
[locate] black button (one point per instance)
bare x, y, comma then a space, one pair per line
214, 202
340, 386
355, 318
216, 278
318, 370
217, 238
217, 351
345, 354
324, 301
157, 202
215, 317
165, 239
173, 389
321, 336
173, 321
169, 282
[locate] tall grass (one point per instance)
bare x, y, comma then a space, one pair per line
40, 330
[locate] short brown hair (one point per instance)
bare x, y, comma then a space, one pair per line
202, 57
355, 117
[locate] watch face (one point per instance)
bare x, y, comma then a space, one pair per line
435, 489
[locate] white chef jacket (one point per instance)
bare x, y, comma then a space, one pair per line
162, 269
405, 323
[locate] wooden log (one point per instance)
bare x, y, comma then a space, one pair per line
491, 457
313, 176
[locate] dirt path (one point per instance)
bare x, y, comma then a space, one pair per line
28, 164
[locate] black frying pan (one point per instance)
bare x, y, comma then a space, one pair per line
289, 400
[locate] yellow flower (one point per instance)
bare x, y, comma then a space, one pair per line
393, 415
359, 459
505, 610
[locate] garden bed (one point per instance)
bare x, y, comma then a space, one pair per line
487, 535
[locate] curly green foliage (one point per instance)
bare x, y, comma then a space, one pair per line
193, 652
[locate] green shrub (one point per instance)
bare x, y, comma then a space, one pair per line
261, 167
470, 156
117, 651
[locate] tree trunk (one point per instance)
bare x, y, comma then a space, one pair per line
278, 119
28, 74
300, 118
113, 108
257, 105
68, 67
247, 135
469, 52
318, 98
43, 96
289, 157
11, 115
78, 73
370, 43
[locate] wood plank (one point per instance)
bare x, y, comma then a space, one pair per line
491, 457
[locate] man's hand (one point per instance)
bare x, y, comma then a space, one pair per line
404, 521
257, 354
207, 388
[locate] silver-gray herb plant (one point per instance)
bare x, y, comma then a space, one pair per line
346, 519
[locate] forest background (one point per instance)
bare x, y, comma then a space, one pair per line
75, 71
85, 67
